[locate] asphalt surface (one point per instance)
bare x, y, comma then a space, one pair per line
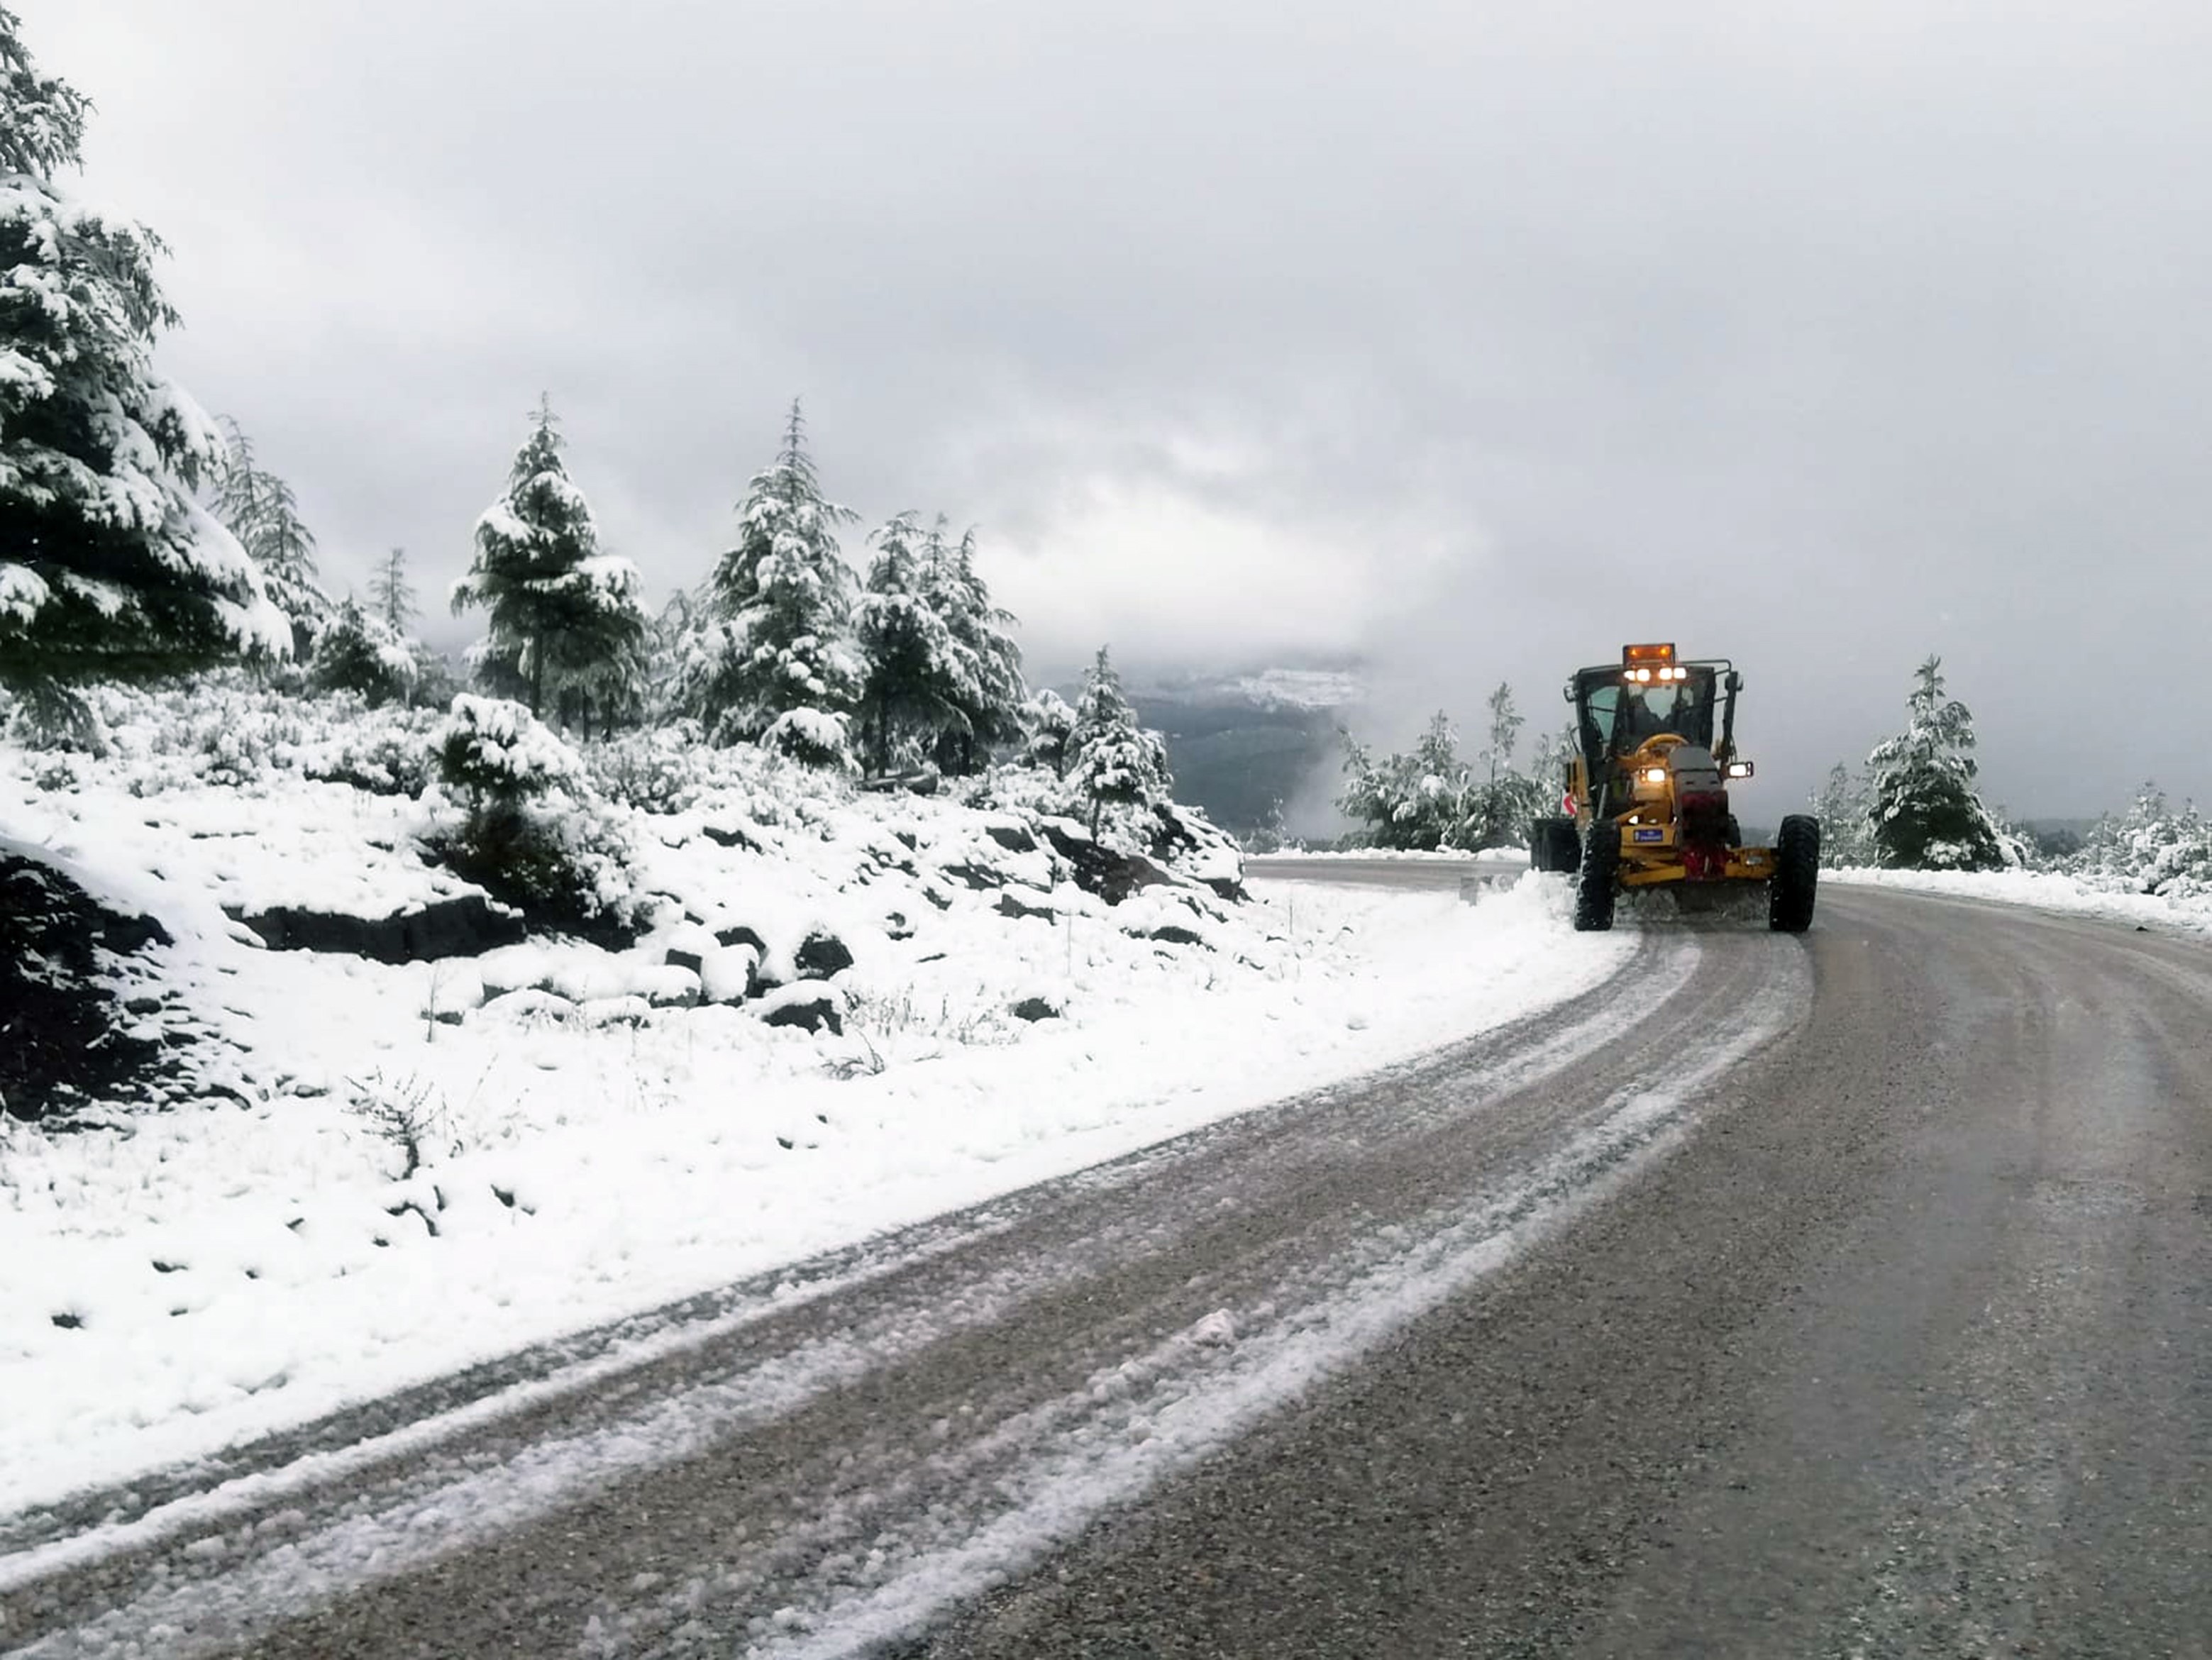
1842, 1296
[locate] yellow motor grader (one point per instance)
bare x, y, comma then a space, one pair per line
1647, 801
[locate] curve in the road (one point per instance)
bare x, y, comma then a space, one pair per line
1843, 1296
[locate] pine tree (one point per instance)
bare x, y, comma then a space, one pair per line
781, 601
1922, 811
1048, 724
912, 695
564, 615
260, 509
109, 567
393, 594
1417, 801
1502, 806
1551, 766
989, 692
1114, 762
359, 651
1842, 805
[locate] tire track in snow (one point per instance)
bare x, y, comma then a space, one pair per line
1103, 1445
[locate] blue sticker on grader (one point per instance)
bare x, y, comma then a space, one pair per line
1654, 835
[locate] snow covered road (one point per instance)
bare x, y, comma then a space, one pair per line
1698, 1313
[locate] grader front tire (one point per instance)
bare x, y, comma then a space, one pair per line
1594, 882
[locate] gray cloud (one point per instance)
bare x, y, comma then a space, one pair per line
1470, 340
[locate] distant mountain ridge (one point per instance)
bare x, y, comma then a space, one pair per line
1240, 744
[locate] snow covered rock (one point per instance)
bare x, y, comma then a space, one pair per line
529, 1006
74, 1031
462, 926
730, 974
1098, 868
810, 1005
668, 986
1016, 909
688, 946
1192, 846
822, 956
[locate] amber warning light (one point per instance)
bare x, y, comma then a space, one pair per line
1633, 655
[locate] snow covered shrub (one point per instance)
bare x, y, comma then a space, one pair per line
531, 831
497, 750
812, 738
393, 754
2151, 849
1018, 788
58, 771
657, 771
228, 756
213, 732
406, 1114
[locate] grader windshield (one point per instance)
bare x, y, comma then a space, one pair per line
1614, 715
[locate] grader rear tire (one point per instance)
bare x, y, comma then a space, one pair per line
1791, 890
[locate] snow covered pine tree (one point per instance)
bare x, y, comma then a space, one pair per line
392, 594
358, 651
990, 693
943, 679
1115, 767
1050, 724
1923, 814
109, 567
260, 509
776, 662
1416, 802
565, 618
1502, 804
913, 692
1841, 807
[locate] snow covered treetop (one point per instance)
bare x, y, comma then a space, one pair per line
41, 118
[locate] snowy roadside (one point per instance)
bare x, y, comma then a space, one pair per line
2044, 891
205, 1275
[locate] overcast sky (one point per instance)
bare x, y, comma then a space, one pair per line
1470, 340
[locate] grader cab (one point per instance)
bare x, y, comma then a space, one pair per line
1647, 796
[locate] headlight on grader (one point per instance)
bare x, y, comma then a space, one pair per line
1652, 776
1739, 769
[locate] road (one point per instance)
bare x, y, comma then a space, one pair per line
1848, 1295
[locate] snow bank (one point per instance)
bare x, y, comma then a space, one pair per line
2044, 890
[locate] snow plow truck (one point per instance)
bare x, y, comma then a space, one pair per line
1646, 800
